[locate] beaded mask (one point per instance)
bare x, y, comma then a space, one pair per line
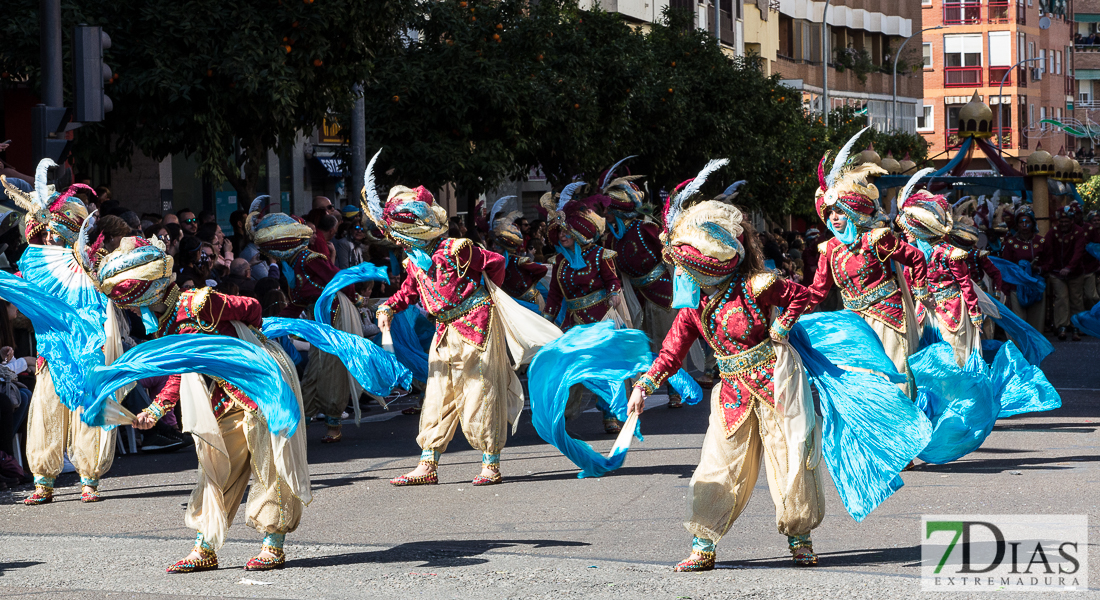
846, 187
572, 217
137, 274
277, 235
60, 213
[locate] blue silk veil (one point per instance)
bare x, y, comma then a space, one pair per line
375, 369
322, 309
412, 337
1029, 288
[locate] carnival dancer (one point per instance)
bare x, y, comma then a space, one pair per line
715, 252
1022, 248
470, 379
326, 386
53, 222
957, 315
637, 245
585, 284
521, 274
239, 444
863, 260
1062, 253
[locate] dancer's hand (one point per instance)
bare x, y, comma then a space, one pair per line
144, 420
636, 404
616, 300
384, 321
777, 337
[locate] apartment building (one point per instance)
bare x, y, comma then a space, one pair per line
980, 45
1085, 117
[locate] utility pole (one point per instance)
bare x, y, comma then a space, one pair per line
50, 24
358, 146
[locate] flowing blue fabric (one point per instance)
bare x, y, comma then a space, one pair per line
1029, 288
291, 351
574, 257
288, 274
598, 356
1019, 386
408, 346
375, 369
1033, 345
529, 306
848, 237
70, 344
870, 429
65, 281
617, 227
847, 340
246, 366
959, 401
690, 391
149, 321
1088, 321
322, 309
1094, 249
685, 291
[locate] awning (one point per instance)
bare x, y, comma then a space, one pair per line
333, 166
1086, 18
1083, 74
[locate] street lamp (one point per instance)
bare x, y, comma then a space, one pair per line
896, 55
1000, 100
825, 62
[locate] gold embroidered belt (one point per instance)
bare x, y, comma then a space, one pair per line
576, 304
746, 361
532, 295
866, 299
650, 277
480, 297
946, 293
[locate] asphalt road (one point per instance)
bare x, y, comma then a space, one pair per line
544, 533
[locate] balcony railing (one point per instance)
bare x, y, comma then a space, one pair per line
997, 11
952, 139
998, 73
962, 13
963, 77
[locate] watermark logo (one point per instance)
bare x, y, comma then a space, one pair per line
1004, 552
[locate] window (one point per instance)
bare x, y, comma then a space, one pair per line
1031, 49
927, 47
1042, 62
953, 116
1030, 114
962, 50
926, 2
1000, 48
1042, 116
1057, 62
924, 119
1021, 40
1050, 62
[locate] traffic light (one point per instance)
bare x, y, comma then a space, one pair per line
89, 73
48, 127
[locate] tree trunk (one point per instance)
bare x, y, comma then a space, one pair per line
255, 155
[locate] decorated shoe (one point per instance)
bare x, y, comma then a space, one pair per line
494, 479
331, 439
429, 479
207, 561
802, 550
267, 563
675, 401
90, 496
42, 495
698, 561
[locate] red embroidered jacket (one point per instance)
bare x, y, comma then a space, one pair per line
977, 261
1062, 250
867, 283
639, 259
1015, 249
734, 321
586, 293
312, 272
452, 289
520, 276
1089, 264
951, 286
203, 310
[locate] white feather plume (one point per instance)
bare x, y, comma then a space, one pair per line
370, 191
82, 243
567, 193
909, 185
842, 157
497, 207
41, 186
611, 172
692, 188
260, 203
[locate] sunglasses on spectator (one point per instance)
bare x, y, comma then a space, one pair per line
329, 207
191, 220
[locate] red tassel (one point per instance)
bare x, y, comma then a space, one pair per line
821, 173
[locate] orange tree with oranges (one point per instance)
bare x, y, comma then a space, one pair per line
221, 81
